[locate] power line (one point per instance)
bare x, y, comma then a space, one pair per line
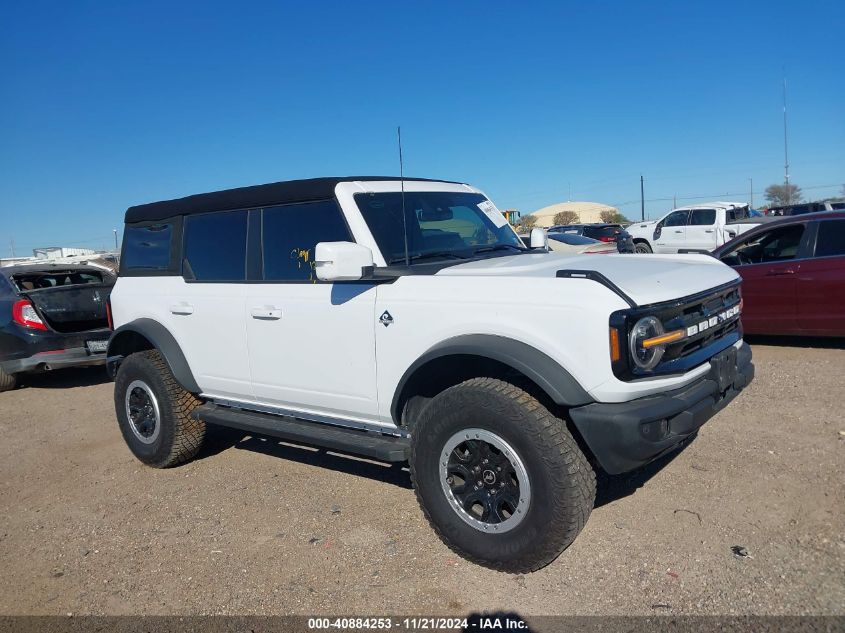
713, 196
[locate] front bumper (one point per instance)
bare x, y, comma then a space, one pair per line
624, 436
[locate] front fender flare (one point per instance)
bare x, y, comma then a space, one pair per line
543, 370
162, 340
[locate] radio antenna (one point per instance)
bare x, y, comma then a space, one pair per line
402, 186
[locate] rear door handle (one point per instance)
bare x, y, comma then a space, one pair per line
182, 308
679, 231
266, 313
780, 273
708, 230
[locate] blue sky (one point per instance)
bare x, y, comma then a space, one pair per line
105, 105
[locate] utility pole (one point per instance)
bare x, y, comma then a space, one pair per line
115, 238
751, 192
12, 244
642, 200
785, 147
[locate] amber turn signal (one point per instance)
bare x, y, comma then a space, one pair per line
669, 337
615, 354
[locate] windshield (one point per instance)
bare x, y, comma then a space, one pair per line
441, 225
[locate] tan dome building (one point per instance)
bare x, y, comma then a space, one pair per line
588, 212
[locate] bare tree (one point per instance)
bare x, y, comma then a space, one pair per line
526, 222
566, 217
611, 216
781, 195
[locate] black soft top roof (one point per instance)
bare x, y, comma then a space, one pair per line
249, 197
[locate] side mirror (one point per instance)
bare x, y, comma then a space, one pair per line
342, 261
539, 239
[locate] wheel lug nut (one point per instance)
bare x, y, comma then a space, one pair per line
479, 483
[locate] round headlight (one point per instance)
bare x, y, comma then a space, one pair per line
645, 328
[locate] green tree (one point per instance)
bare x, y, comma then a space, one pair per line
780, 195
611, 216
566, 217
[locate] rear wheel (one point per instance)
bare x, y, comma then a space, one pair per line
154, 411
642, 247
500, 479
7, 381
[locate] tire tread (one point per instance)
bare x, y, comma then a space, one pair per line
573, 478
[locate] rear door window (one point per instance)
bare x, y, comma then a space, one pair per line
702, 217
289, 234
215, 246
831, 238
147, 247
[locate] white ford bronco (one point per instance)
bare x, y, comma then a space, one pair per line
404, 320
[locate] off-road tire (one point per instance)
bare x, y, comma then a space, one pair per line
7, 381
642, 248
562, 482
180, 436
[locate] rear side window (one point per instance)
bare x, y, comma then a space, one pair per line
831, 239
289, 234
702, 217
147, 247
215, 246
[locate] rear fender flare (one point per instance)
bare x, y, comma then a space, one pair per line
124, 341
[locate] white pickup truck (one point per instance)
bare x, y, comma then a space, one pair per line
694, 229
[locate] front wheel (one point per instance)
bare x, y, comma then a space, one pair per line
154, 411
500, 479
643, 248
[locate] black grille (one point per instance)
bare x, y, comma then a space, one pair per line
681, 314
695, 311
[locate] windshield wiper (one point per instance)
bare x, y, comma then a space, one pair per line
498, 247
419, 256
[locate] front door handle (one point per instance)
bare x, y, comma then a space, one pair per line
708, 230
266, 313
779, 273
182, 308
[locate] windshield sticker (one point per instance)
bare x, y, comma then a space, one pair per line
493, 213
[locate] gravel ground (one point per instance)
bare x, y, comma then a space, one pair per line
259, 527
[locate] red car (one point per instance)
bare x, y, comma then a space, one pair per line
793, 274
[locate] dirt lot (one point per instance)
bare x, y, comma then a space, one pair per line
256, 526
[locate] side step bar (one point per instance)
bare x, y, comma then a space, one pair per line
387, 448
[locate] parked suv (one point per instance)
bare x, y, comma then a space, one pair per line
51, 316
613, 233
406, 321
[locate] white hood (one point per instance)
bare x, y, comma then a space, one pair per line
645, 278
